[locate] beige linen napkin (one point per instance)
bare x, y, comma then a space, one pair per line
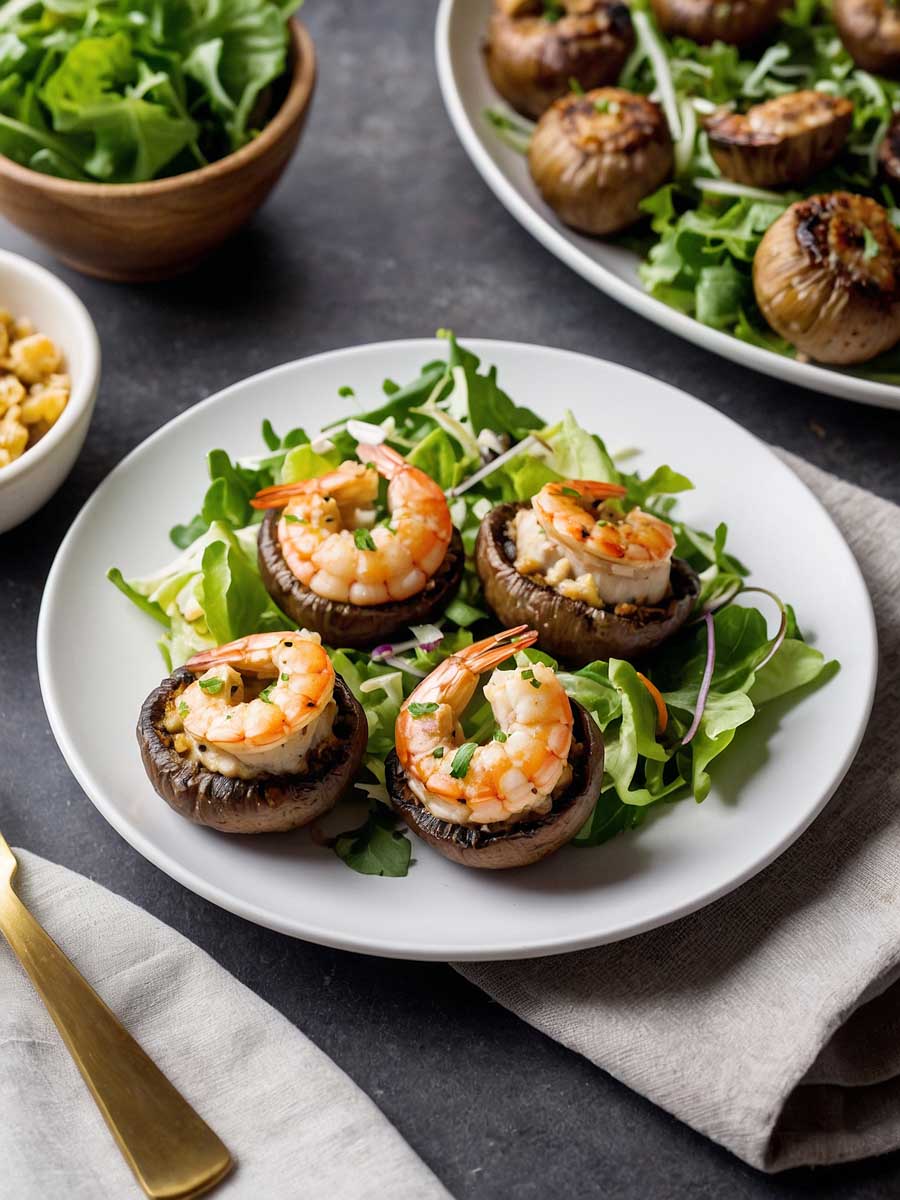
769, 1021
297, 1125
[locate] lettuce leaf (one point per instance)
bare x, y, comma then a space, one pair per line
128, 90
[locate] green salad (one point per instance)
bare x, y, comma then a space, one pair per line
703, 230
122, 91
455, 422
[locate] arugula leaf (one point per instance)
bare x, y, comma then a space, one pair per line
94, 93
150, 607
376, 847
127, 90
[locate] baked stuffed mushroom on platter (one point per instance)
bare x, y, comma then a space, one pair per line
533, 51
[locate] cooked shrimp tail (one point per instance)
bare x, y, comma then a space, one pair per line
271, 728
589, 550
517, 772
386, 460
330, 539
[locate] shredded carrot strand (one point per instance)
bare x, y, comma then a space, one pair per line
662, 713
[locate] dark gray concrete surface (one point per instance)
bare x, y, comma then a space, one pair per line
382, 229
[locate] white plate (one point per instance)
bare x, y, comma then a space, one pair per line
467, 93
97, 660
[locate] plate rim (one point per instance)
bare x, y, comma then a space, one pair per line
385, 948
559, 244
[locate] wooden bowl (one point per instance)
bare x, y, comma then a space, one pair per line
145, 231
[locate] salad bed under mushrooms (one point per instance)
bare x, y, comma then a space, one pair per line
664, 694
765, 105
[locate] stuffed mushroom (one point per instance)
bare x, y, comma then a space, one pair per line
329, 565
827, 277
594, 158
534, 49
596, 582
781, 141
739, 22
257, 736
870, 30
520, 796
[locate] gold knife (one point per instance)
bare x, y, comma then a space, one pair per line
172, 1152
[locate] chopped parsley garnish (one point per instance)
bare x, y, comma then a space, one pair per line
284, 677
437, 752
528, 674
363, 539
419, 709
212, 687
535, 683
265, 694
870, 242
183, 709
346, 390
292, 520
567, 491
575, 86
462, 758
553, 11
499, 735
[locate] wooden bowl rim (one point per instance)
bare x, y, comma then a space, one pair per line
303, 60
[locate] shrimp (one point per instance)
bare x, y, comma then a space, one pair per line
233, 724
589, 550
326, 536
513, 776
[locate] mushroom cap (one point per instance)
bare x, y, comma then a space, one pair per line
530, 60
353, 625
781, 141
870, 30
267, 804
738, 22
827, 277
572, 631
523, 844
595, 157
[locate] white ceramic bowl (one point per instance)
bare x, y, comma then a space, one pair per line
28, 290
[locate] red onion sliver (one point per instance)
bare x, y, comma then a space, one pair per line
725, 598
706, 681
382, 651
775, 644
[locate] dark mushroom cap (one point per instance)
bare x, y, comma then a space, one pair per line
530, 59
572, 631
781, 141
595, 157
870, 30
523, 844
889, 151
354, 625
826, 276
736, 21
267, 804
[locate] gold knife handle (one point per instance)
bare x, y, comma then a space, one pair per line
173, 1153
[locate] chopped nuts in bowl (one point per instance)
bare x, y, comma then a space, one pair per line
49, 372
34, 389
